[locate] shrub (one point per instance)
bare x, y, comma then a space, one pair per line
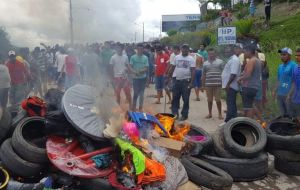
244, 27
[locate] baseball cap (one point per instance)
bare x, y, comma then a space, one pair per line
286, 50
11, 52
185, 46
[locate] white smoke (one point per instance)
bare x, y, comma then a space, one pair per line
30, 22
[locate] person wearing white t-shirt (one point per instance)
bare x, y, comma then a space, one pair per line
60, 61
184, 72
119, 65
230, 74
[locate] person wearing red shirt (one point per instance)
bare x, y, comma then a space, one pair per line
71, 70
19, 75
161, 65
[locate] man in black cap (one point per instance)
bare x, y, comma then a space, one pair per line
184, 72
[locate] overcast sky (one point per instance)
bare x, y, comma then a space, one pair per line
30, 22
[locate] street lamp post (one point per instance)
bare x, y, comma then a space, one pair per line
71, 24
143, 32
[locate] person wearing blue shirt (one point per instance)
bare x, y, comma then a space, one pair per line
284, 80
294, 95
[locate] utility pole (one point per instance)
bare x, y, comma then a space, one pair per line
135, 37
71, 24
143, 32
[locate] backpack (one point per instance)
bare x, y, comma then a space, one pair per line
34, 106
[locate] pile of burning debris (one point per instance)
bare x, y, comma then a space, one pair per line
88, 142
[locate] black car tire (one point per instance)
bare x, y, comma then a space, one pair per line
203, 146
241, 170
16, 164
219, 146
279, 139
23, 142
244, 137
5, 123
22, 114
285, 155
287, 167
204, 174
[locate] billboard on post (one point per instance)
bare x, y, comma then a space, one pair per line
178, 22
226, 35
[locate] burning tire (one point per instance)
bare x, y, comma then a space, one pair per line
201, 146
204, 174
15, 163
241, 170
283, 134
24, 140
244, 137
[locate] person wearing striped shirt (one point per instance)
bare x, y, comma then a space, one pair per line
212, 81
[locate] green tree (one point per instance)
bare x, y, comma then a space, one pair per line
172, 32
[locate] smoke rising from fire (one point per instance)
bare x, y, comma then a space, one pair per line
33, 21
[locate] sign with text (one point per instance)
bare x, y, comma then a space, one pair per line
179, 22
226, 35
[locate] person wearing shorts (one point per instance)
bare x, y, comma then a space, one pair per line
212, 81
119, 64
161, 67
250, 80
198, 75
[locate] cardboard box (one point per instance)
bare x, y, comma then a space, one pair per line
189, 186
174, 147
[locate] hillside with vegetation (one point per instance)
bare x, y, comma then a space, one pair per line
284, 31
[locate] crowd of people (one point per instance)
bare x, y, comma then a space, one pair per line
175, 71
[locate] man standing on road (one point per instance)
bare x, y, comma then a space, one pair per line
294, 94
184, 72
284, 80
106, 55
161, 66
250, 80
139, 67
150, 56
212, 81
59, 62
19, 75
4, 84
230, 75
119, 63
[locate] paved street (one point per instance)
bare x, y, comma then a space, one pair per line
198, 110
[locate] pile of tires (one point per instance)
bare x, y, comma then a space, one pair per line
239, 150
201, 172
284, 143
24, 154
